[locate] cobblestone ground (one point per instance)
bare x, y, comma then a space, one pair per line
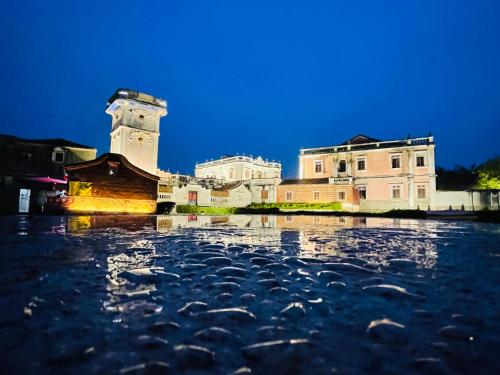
248, 295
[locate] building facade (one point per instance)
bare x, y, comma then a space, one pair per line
32, 171
238, 168
110, 184
260, 176
135, 127
366, 174
187, 190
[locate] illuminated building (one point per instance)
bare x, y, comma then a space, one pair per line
135, 129
366, 174
111, 184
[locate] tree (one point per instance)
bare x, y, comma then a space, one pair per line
489, 174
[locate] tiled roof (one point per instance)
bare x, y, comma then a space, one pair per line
360, 139
229, 186
305, 181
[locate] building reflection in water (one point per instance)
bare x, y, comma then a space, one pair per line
375, 239
143, 239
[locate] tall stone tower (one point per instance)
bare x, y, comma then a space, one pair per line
136, 127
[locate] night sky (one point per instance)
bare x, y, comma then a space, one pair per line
257, 77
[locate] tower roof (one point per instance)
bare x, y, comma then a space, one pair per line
137, 96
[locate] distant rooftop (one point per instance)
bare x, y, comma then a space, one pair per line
363, 142
305, 181
240, 158
54, 142
137, 96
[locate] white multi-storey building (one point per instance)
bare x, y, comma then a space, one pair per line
259, 175
238, 168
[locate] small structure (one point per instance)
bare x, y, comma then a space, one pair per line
110, 184
32, 171
188, 190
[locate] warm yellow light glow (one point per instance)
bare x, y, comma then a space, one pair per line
83, 189
110, 205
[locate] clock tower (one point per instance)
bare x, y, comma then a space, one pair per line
135, 128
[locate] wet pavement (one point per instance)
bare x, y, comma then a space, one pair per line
248, 295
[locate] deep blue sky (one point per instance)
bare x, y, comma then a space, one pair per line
257, 77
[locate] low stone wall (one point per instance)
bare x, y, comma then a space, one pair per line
470, 201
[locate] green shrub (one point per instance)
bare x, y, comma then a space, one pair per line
199, 210
333, 206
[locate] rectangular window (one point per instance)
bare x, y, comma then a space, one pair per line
264, 194
396, 161
420, 161
341, 195
396, 191
58, 156
316, 195
318, 166
361, 163
288, 196
342, 166
421, 192
362, 192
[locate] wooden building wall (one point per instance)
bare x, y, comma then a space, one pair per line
93, 189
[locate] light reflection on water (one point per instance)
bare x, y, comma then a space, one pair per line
115, 285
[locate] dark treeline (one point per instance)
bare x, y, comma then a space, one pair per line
484, 176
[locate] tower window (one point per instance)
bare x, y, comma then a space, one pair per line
141, 117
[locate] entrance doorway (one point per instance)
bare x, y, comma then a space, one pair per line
24, 200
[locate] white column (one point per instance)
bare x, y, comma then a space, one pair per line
432, 177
